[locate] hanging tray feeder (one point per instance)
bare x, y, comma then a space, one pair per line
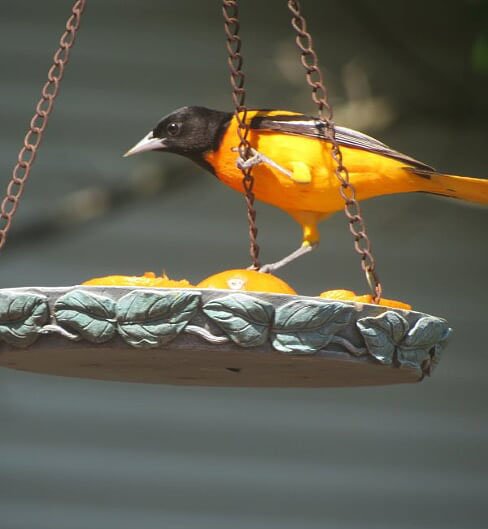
208, 336
213, 337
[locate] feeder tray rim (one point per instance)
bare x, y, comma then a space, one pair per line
219, 290
182, 336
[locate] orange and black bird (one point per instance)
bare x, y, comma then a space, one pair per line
292, 164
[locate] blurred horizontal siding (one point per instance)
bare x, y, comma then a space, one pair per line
78, 453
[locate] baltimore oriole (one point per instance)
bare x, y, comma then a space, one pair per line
293, 167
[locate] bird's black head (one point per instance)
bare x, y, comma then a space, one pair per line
189, 131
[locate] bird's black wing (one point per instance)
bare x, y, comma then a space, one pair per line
302, 125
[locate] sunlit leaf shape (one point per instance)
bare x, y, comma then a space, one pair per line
90, 315
21, 317
428, 333
383, 334
150, 319
244, 319
306, 326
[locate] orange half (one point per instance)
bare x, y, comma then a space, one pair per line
250, 280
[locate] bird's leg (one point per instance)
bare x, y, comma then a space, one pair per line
258, 158
311, 238
304, 249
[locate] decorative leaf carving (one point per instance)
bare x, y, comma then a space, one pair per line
21, 317
411, 357
439, 347
90, 315
389, 333
382, 334
150, 319
436, 351
306, 326
245, 319
427, 333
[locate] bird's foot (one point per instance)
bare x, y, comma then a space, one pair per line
256, 159
269, 268
259, 158
304, 249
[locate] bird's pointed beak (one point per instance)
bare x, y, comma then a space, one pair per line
148, 143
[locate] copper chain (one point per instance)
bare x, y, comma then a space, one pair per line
230, 10
38, 123
352, 210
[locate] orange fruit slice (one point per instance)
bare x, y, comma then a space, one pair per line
343, 295
149, 279
250, 280
349, 295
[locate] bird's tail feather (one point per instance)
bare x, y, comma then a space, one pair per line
462, 187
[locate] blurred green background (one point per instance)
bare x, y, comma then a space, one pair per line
76, 454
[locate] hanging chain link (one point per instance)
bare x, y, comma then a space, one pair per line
230, 10
352, 210
38, 123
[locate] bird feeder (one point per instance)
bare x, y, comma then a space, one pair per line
211, 336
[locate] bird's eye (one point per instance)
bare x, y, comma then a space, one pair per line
173, 128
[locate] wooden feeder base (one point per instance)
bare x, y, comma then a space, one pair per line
203, 366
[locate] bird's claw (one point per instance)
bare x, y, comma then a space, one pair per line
255, 159
264, 269
267, 269
259, 158
272, 267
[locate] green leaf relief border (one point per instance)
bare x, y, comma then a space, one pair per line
22, 316
150, 318
390, 339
